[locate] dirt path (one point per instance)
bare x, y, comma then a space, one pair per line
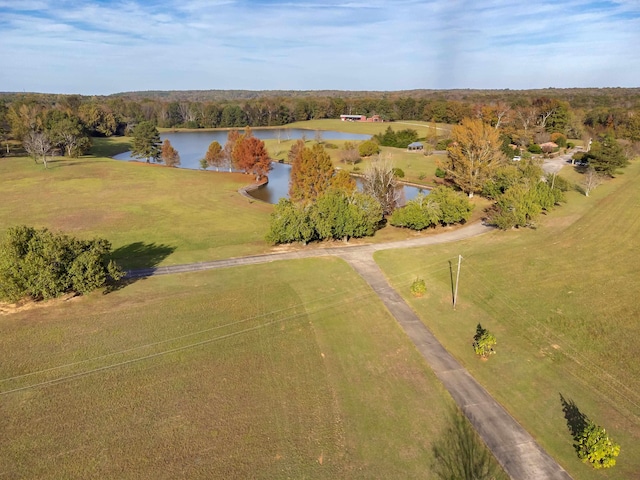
518, 453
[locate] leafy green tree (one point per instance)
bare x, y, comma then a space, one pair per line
215, 155
420, 213
290, 222
400, 139
98, 119
68, 134
483, 342
606, 156
454, 207
311, 174
366, 215
474, 155
368, 148
146, 142
337, 215
40, 264
595, 447
516, 207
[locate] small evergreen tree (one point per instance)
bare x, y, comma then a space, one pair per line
595, 447
483, 342
146, 142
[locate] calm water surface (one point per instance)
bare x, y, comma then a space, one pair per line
192, 146
278, 186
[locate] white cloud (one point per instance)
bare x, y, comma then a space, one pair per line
104, 47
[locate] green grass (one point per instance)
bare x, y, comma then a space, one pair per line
284, 370
110, 146
368, 128
561, 301
144, 210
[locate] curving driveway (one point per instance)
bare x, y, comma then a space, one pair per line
514, 448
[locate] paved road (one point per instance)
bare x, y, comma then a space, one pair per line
518, 453
554, 165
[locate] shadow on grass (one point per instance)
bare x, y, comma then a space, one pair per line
460, 454
139, 260
577, 421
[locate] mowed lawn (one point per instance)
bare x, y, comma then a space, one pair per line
283, 370
562, 301
152, 214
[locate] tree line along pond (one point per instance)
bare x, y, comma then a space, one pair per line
193, 145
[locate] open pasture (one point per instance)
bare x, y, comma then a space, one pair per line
561, 300
284, 370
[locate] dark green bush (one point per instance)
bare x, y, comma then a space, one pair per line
41, 265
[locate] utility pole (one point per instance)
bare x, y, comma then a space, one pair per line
455, 293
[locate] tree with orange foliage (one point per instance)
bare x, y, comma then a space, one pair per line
250, 155
473, 155
215, 155
169, 155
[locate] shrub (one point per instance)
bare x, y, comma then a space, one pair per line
443, 144
559, 139
398, 172
483, 342
534, 148
440, 173
368, 148
570, 144
418, 287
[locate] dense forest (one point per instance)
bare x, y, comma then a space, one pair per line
68, 121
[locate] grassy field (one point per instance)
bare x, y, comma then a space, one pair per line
151, 214
561, 301
284, 370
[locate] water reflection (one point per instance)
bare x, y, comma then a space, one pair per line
278, 186
192, 146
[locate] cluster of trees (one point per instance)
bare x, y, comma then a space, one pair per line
522, 117
476, 163
443, 206
241, 152
399, 139
40, 264
323, 203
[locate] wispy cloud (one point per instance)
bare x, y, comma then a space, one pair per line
107, 46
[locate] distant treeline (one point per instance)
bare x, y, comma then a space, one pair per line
567, 111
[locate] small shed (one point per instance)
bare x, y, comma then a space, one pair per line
415, 147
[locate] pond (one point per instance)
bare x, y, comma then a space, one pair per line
192, 146
278, 186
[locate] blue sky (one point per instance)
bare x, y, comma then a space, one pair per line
107, 46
